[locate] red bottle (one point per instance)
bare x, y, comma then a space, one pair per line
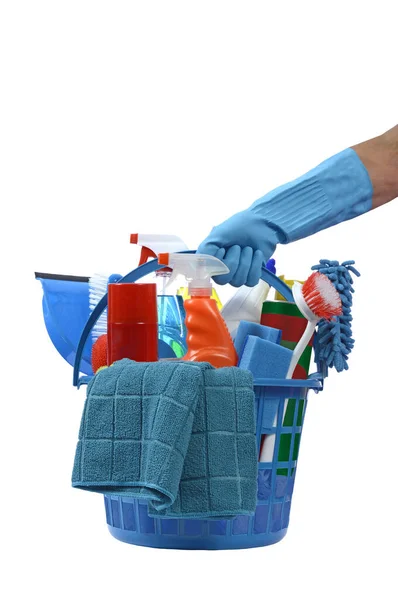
132, 322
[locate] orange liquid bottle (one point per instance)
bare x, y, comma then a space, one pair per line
208, 338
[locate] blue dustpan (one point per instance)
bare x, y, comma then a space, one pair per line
66, 311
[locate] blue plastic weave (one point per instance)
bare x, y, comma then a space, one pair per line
128, 519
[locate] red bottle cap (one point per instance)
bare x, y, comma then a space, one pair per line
132, 303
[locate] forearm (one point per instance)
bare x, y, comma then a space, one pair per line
343, 187
380, 157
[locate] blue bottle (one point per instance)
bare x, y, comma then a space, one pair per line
171, 321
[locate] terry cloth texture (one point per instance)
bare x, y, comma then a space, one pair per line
180, 435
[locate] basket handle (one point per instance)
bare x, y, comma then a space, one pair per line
134, 276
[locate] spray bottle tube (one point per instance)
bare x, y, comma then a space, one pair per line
208, 339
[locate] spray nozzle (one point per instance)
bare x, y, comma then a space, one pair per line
151, 244
198, 270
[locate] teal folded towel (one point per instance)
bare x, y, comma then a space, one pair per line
180, 435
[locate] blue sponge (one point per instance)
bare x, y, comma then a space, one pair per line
265, 359
247, 328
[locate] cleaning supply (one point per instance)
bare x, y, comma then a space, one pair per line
98, 287
316, 299
265, 359
171, 314
68, 301
143, 435
288, 319
132, 322
172, 331
66, 310
335, 340
99, 353
246, 304
337, 190
152, 244
208, 338
128, 518
183, 292
247, 328
288, 282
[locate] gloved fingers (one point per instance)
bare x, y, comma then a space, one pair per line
231, 259
243, 269
220, 253
212, 250
209, 248
255, 269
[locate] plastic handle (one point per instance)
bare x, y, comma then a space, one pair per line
135, 275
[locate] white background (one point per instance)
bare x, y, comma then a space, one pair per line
118, 117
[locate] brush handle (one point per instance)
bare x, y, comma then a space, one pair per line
300, 347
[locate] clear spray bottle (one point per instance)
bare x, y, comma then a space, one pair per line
171, 314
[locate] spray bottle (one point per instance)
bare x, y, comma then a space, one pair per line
183, 291
171, 314
247, 303
208, 338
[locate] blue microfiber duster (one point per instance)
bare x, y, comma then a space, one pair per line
247, 328
335, 340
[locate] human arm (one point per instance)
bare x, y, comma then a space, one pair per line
341, 188
380, 157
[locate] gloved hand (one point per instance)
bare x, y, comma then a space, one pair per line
336, 190
243, 242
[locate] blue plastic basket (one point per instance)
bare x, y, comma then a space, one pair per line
128, 518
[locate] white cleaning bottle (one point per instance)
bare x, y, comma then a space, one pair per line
246, 304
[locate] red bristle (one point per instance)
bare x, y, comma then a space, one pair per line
321, 296
99, 353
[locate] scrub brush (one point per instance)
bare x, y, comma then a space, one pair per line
98, 287
99, 353
316, 299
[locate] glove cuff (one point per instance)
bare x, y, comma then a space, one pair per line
337, 190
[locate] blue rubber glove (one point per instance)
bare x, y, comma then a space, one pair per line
337, 190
